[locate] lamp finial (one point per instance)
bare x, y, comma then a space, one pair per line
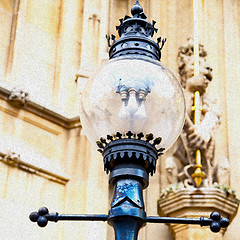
136, 9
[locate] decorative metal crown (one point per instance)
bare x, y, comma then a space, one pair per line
135, 36
128, 147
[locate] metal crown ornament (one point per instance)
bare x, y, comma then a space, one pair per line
136, 36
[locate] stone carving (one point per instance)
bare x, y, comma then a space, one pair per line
11, 158
200, 136
19, 96
223, 171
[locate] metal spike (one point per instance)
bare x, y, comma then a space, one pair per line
161, 149
109, 137
159, 40
113, 38
126, 17
100, 145
129, 134
163, 42
140, 135
118, 135
103, 140
157, 141
149, 137
108, 39
142, 15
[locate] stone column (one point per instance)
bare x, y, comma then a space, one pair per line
194, 203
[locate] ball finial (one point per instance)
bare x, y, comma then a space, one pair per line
136, 9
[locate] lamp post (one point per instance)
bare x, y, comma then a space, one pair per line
134, 109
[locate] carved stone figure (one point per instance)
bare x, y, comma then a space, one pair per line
201, 136
17, 95
11, 158
223, 171
172, 170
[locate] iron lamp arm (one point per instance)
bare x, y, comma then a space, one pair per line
216, 222
43, 216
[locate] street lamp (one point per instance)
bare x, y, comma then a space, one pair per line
134, 109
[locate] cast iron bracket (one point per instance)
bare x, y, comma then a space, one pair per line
216, 222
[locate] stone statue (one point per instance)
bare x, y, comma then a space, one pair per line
199, 136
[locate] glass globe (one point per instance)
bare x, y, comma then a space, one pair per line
133, 94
